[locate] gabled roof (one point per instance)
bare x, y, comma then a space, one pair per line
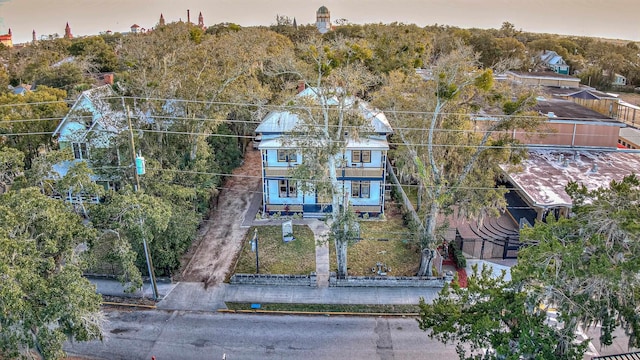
584, 94
285, 121
552, 58
110, 119
20, 89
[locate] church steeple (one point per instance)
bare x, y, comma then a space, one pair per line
201, 21
161, 22
67, 32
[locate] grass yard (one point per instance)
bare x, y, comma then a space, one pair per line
297, 257
382, 241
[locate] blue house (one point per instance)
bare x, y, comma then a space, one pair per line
361, 173
554, 62
94, 120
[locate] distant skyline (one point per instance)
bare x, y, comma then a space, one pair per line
615, 19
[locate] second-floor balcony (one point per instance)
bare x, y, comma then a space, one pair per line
345, 172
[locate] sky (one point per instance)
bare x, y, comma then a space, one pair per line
617, 19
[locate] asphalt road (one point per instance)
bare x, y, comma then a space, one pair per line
196, 335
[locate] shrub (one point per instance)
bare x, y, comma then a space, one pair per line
458, 256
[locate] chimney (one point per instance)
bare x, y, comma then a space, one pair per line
188, 17
108, 78
301, 86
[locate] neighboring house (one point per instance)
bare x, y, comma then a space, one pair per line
362, 175
554, 62
570, 125
94, 120
575, 144
20, 89
619, 80
616, 79
540, 180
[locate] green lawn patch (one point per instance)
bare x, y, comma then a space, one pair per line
297, 257
341, 308
384, 241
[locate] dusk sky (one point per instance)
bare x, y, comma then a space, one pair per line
610, 18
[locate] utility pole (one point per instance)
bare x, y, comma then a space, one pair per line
147, 253
136, 186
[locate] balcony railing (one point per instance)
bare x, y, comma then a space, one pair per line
351, 172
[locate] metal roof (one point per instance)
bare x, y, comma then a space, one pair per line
362, 143
282, 121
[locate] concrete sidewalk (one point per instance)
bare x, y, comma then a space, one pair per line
193, 296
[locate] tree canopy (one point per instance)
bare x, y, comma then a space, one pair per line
44, 300
445, 146
585, 268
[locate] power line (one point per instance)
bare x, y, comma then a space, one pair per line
508, 132
259, 177
293, 107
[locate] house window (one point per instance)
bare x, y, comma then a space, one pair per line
360, 189
287, 156
287, 189
361, 156
80, 151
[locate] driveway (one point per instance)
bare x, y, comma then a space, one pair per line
220, 237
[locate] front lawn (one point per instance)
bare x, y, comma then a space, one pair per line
297, 257
385, 242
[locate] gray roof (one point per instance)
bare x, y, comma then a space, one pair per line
543, 176
568, 110
630, 134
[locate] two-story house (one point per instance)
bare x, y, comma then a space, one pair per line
361, 171
88, 129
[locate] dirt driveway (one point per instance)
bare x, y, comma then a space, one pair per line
220, 238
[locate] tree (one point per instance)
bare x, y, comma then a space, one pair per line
44, 300
4, 80
449, 152
28, 120
494, 319
587, 266
11, 166
328, 119
191, 88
